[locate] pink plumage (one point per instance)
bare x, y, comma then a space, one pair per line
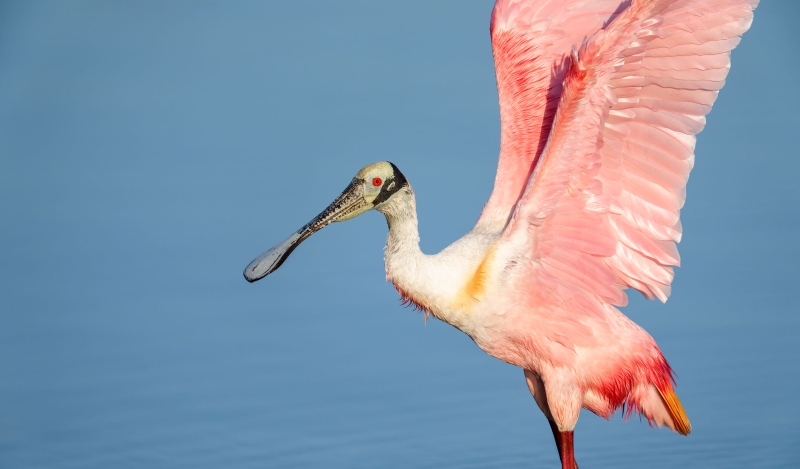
600, 103
600, 208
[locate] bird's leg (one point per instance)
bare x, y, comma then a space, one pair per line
562, 420
558, 436
536, 387
565, 442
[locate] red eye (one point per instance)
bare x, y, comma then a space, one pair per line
376, 182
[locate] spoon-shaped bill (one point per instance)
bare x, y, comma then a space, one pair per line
349, 204
272, 258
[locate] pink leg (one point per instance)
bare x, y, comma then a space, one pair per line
564, 444
564, 439
567, 451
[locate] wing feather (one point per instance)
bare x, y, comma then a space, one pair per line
620, 150
530, 39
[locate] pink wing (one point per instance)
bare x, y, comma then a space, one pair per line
530, 39
600, 213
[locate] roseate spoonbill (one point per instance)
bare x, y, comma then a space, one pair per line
600, 102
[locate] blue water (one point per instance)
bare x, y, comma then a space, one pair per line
148, 151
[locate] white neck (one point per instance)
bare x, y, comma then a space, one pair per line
435, 282
403, 257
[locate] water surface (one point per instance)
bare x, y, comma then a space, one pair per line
148, 151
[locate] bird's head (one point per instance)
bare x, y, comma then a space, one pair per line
373, 187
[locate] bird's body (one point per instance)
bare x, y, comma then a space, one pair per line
481, 285
600, 102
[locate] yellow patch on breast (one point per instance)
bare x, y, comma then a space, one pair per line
474, 288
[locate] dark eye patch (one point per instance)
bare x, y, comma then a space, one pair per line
391, 185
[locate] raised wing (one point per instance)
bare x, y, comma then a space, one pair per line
600, 212
530, 39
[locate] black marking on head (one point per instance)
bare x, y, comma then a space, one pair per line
401, 180
392, 184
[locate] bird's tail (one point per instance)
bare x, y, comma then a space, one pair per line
675, 409
641, 381
660, 405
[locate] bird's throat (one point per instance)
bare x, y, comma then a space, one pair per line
447, 285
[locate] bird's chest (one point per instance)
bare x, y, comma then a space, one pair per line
452, 285
438, 297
